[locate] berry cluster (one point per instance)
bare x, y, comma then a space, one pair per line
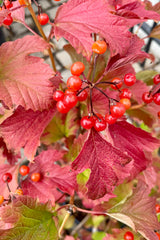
148, 97
7, 4
74, 93
68, 99
24, 171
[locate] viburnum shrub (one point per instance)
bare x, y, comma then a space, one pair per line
79, 156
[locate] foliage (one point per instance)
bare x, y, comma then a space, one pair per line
92, 146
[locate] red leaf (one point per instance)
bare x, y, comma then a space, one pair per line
76, 24
109, 166
52, 177
138, 212
134, 141
9, 155
24, 128
135, 12
32, 89
133, 54
18, 14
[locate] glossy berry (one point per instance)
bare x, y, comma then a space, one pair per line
58, 95
61, 107
35, 177
69, 91
147, 97
74, 83
82, 96
43, 18
125, 93
8, 4
24, 170
157, 208
7, 177
128, 236
129, 79
19, 191
156, 79
100, 124
8, 20
118, 83
117, 110
1, 199
158, 234
110, 119
77, 68
156, 98
70, 100
126, 102
87, 122
99, 47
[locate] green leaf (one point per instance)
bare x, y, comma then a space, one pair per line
146, 76
33, 221
98, 235
82, 179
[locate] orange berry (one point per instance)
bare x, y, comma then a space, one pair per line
77, 68
99, 47
126, 102
1, 199
19, 191
35, 177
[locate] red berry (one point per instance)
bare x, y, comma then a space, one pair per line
1, 199
69, 91
7, 177
70, 100
156, 98
82, 96
129, 79
117, 110
8, 20
156, 79
87, 122
100, 124
147, 97
74, 83
61, 107
43, 18
110, 119
77, 68
157, 208
35, 177
24, 170
125, 93
8, 4
99, 47
58, 95
128, 236
158, 235
118, 83
126, 102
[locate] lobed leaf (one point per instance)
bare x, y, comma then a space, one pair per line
24, 80
109, 166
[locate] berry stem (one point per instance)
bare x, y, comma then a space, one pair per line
106, 94
138, 106
63, 223
8, 187
91, 66
82, 90
111, 83
42, 33
94, 67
